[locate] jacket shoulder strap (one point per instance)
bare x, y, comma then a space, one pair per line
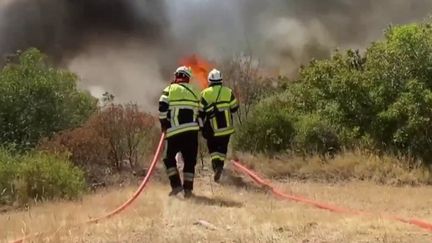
188, 89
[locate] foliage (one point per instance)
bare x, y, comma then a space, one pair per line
381, 99
113, 135
241, 73
38, 100
269, 131
8, 170
38, 176
314, 136
43, 176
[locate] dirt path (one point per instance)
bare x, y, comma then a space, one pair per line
235, 215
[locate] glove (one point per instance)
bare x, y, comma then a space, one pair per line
165, 124
206, 131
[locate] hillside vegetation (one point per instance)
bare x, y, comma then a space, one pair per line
379, 100
343, 116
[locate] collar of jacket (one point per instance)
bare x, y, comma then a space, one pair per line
215, 84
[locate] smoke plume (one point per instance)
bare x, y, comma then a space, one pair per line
130, 47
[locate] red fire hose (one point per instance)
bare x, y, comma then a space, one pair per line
239, 167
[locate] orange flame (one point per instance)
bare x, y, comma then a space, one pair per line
200, 69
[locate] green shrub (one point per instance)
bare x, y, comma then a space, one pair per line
267, 131
315, 136
43, 176
38, 176
8, 170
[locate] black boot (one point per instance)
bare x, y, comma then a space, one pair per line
217, 174
188, 193
218, 166
188, 188
175, 191
176, 185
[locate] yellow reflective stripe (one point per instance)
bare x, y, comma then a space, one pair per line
224, 105
180, 129
176, 132
218, 156
176, 122
194, 104
214, 123
224, 132
233, 102
209, 109
227, 118
190, 124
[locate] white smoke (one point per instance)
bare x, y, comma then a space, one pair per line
130, 72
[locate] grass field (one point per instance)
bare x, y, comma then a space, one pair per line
230, 213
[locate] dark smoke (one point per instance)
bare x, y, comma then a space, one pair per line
287, 33
129, 46
63, 28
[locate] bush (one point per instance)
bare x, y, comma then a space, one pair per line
38, 100
130, 133
38, 176
43, 176
267, 130
314, 136
8, 171
113, 136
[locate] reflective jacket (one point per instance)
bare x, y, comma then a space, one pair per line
179, 108
218, 103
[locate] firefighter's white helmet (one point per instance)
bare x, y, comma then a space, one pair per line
183, 70
215, 76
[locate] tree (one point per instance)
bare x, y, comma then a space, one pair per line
241, 73
38, 100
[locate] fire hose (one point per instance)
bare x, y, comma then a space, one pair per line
120, 208
257, 179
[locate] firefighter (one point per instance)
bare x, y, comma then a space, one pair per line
178, 114
218, 104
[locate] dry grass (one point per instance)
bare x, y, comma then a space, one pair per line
239, 215
349, 166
